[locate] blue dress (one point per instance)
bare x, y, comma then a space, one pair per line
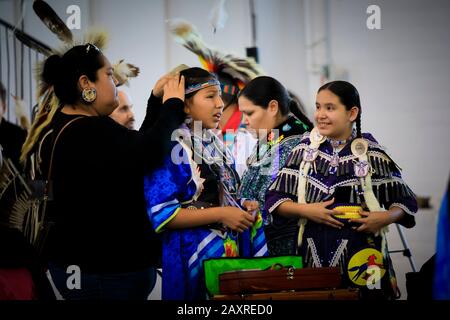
177, 184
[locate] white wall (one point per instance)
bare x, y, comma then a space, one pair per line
8, 11
281, 42
403, 75
137, 35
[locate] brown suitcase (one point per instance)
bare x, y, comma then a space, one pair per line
337, 294
258, 281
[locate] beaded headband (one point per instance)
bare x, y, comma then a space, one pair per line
199, 86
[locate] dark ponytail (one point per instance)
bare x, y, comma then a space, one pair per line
349, 97
3, 95
52, 69
358, 125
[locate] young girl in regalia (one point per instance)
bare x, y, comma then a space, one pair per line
345, 190
191, 198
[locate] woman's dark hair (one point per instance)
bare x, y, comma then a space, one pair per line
3, 94
193, 76
64, 72
349, 97
262, 90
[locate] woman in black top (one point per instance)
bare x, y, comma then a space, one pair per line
100, 226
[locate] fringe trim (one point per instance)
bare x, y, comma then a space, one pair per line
301, 223
315, 257
337, 257
295, 158
285, 182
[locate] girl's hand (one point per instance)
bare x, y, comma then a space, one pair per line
251, 205
372, 222
174, 88
236, 219
318, 213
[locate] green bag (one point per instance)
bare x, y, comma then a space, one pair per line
214, 267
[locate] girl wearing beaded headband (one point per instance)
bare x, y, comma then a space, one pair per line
234, 73
345, 190
192, 199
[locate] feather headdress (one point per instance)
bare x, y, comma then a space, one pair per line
32, 43
14, 195
21, 113
218, 15
124, 71
52, 21
241, 69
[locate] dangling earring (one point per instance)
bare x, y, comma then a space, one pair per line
188, 120
89, 94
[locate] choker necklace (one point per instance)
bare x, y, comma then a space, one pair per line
334, 162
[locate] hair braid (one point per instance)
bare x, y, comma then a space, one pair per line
358, 124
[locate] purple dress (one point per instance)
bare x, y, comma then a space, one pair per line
355, 253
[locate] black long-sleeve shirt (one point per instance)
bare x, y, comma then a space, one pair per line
11, 139
99, 210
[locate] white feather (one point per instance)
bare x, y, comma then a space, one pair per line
218, 16
124, 71
21, 113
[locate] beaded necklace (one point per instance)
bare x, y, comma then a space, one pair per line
334, 163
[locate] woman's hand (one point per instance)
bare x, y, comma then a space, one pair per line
158, 89
236, 219
318, 213
372, 222
174, 88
